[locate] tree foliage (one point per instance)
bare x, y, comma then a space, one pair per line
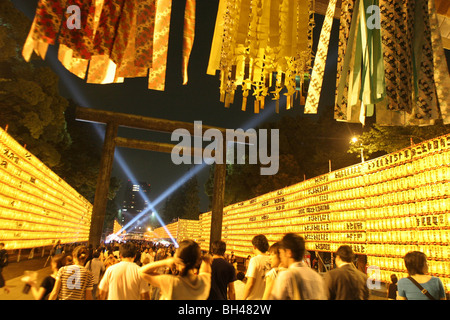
306, 147
81, 159
379, 140
30, 104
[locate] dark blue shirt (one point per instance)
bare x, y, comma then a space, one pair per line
222, 273
409, 290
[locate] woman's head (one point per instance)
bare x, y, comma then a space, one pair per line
416, 262
189, 252
80, 254
58, 261
274, 252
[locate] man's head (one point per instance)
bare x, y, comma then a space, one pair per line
260, 243
218, 247
292, 249
344, 254
127, 250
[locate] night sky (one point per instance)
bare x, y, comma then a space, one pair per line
196, 101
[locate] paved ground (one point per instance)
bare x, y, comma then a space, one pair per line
14, 272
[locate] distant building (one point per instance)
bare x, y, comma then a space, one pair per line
135, 202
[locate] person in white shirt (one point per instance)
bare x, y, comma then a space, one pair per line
146, 257
298, 281
122, 280
277, 267
239, 285
96, 266
184, 283
257, 268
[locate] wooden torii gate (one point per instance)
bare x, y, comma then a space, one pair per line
113, 120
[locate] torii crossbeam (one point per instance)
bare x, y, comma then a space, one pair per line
113, 120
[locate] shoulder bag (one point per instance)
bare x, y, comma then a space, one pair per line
424, 291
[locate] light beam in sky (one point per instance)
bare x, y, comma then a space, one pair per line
78, 96
256, 120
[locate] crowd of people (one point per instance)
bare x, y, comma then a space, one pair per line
145, 271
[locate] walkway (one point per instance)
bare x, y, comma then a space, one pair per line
14, 272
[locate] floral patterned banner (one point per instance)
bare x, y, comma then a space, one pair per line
114, 40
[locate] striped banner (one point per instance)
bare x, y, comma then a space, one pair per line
315, 87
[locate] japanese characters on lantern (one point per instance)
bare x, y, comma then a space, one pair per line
382, 208
37, 207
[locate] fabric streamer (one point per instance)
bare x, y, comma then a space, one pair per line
156, 77
315, 86
188, 36
263, 46
114, 39
441, 74
392, 69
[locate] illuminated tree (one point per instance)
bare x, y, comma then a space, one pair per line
379, 140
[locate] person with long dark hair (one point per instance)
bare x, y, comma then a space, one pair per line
186, 282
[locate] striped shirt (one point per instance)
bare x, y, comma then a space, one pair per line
75, 280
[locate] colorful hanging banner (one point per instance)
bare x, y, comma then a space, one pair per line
113, 39
188, 36
390, 64
315, 86
262, 46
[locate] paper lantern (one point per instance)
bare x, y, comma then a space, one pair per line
359, 206
37, 207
